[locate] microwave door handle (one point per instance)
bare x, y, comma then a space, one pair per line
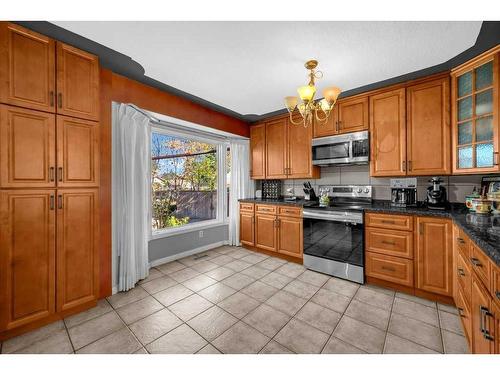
350, 150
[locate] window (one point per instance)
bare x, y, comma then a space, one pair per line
188, 181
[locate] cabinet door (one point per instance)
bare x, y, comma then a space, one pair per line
353, 115
27, 256
77, 152
258, 151
265, 232
388, 134
246, 228
27, 148
27, 68
475, 111
276, 149
290, 236
326, 128
428, 128
77, 247
482, 322
77, 83
300, 152
434, 256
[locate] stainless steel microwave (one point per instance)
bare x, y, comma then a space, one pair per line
352, 148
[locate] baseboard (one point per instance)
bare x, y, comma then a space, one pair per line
184, 254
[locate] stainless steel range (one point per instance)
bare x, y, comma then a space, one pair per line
333, 235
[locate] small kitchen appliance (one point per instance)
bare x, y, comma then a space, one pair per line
436, 195
404, 192
352, 148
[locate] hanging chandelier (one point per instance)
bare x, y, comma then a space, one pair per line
309, 108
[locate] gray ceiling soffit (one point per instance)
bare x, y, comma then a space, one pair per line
119, 63
489, 36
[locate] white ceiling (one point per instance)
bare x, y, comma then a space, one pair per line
248, 67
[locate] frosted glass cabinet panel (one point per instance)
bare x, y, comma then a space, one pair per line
475, 116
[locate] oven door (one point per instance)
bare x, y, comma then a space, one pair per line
334, 247
332, 153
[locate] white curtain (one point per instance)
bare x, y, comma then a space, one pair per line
130, 184
241, 186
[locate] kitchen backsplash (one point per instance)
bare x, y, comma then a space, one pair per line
456, 186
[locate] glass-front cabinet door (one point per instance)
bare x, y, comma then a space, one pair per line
475, 115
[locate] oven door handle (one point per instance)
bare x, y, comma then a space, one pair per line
333, 217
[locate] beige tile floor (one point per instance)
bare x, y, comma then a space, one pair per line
231, 300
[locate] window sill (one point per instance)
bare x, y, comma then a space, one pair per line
186, 229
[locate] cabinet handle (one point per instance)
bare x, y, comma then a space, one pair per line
389, 243
60, 173
51, 98
337, 126
51, 173
497, 294
388, 221
403, 165
495, 158
460, 312
388, 268
461, 240
476, 262
51, 201
484, 314
59, 201
59, 100
409, 165
460, 272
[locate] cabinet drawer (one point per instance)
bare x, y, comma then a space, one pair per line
265, 209
462, 241
480, 264
393, 269
464, 277
389, 242
247, 207
290, 211
465, 315
401, 222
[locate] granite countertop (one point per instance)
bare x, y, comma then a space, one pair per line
477, 227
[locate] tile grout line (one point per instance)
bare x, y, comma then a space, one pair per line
388, 324
69, 337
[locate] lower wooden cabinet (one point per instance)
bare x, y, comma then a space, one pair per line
265, 232
290, 236
393, 269
27, 256
434, 255
483, 340
77, 247
463, 306
247, 228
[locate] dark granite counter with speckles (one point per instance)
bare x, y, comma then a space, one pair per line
479, 228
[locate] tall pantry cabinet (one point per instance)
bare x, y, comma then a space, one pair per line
49, 179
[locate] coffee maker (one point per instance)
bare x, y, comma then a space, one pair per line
436, 195
403, 192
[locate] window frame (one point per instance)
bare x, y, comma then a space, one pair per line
221, 145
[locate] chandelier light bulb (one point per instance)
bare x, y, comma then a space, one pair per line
306, 93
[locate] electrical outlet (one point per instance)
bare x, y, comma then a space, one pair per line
200, 233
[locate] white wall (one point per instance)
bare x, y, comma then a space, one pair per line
457, 186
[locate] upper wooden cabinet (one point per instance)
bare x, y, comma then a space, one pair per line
288, 150
327, 128
27, 259
388, 134
258, 151
276, 149
428, 128
27, 148
77, 83
27, 68
77, 247
434, 255
474, 108
353, 115
77, 152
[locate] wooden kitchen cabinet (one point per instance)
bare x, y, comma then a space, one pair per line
27, 148
27, 259
434, 255
258, 151
247, 228
475, 114
388, 134
327, 128
496, 327
428, 128
290, 236
353, 115
77, 247
266, 232
77, 152
276, 149
482, 320
77, 83
463, 307
27, 68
